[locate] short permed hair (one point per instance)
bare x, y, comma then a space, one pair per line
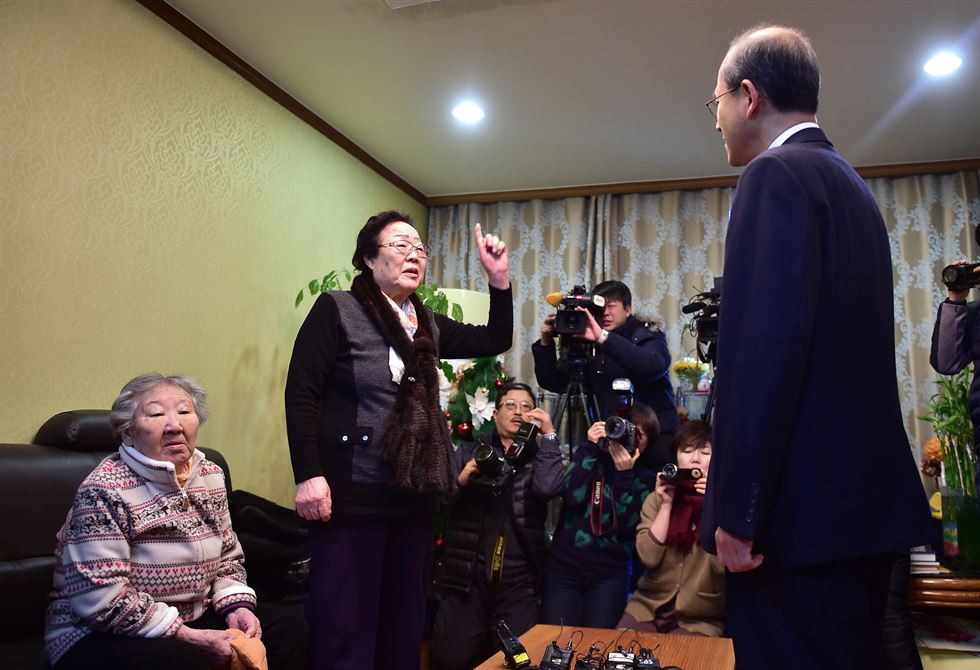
614, 289
127, 402
367, 238
780, 61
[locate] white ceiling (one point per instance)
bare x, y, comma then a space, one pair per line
582, 92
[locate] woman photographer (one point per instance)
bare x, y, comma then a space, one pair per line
683, 588
588, 574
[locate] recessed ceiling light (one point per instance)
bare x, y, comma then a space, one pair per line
942, 64
468, 112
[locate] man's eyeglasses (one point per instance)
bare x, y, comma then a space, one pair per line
512, 405
712, 104
405, 247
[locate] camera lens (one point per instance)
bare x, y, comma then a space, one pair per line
488, 463
615, 428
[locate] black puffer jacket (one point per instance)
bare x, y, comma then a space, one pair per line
471, 515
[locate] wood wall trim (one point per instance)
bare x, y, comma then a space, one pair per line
203, 39
912, 169
698, 184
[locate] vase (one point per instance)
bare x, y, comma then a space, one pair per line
961, 530
686, 384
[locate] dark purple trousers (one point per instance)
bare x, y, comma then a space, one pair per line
368, 583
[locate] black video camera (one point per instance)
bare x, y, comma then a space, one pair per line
961, 276
706, 308
569, 320
674, 475
619, 427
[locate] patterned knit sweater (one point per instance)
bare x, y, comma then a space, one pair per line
600, 510
138, 554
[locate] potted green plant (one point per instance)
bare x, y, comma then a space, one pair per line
949, 414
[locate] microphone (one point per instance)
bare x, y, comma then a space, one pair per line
693, 307
554, 299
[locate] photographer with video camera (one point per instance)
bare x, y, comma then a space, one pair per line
683, 587
956, 336
495, 541
624, 347
588, 574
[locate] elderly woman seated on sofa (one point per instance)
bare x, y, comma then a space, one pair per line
150, 573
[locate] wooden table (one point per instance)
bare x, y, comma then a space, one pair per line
691, 652
944, 590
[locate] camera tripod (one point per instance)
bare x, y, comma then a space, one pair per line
576, 395
710, 355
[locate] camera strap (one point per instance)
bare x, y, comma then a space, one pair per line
602, 511
495, 536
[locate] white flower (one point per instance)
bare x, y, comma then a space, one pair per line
445, 390
481, 409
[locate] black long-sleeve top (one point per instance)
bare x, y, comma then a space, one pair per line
339, 396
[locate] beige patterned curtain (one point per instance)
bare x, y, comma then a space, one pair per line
668, 246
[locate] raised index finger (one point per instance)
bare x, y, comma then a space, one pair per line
478, 230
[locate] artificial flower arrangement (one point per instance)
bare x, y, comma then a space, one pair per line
932, 457
690, 370
469, 396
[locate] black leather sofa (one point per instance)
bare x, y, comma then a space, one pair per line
38, 482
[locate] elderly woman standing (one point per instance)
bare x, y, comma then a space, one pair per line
370, 446
150, 573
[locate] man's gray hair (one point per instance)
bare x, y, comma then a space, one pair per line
125, 405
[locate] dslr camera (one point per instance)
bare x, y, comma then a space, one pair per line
619, 427
496, 471
570, 321
961, 276
492, 469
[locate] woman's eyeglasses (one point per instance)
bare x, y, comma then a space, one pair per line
405, 247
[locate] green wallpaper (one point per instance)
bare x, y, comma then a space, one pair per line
158, 213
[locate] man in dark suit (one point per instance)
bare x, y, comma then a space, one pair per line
813, 488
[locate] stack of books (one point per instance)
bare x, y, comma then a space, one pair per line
924, 561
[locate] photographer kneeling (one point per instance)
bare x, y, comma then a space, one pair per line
683, 587
495, 541
624, 347
588, 574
